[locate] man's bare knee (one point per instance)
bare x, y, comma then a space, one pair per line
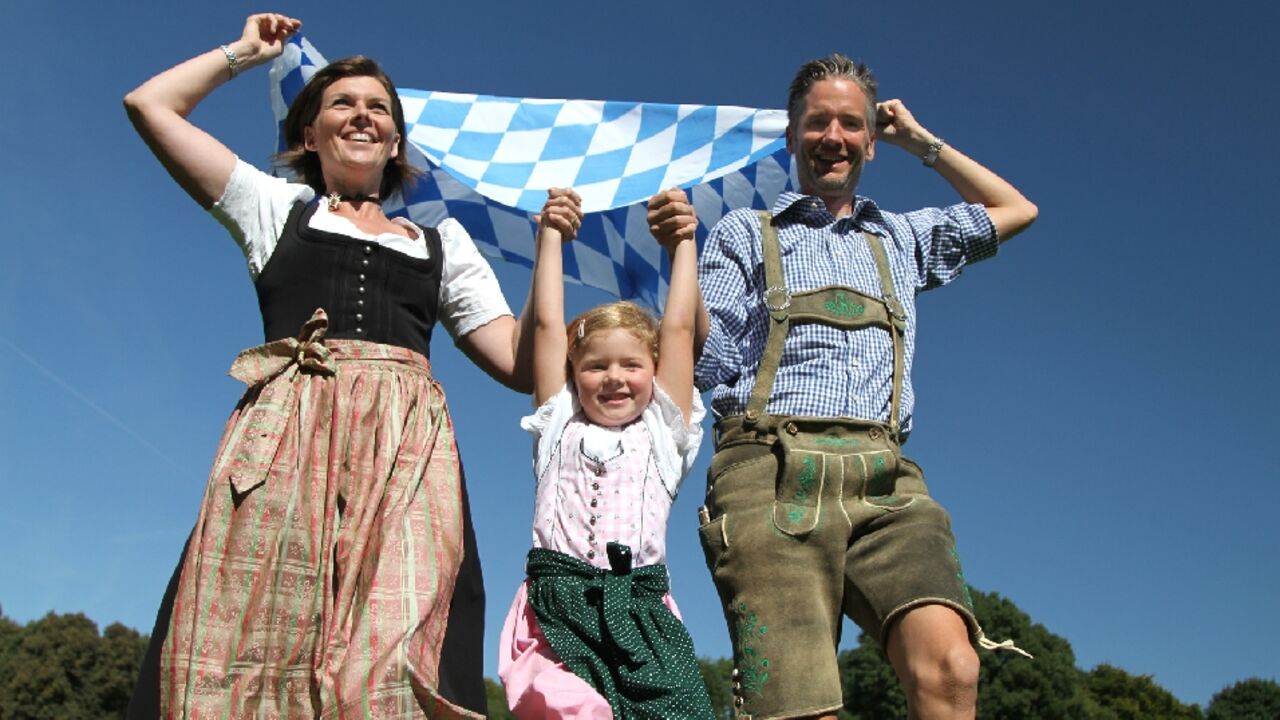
930, 651
957, 676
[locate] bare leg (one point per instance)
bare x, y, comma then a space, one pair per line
930, 651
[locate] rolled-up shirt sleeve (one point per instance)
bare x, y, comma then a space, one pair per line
947, 239
725, 281
470, 296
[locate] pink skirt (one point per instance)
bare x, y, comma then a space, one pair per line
318, 577
537, 684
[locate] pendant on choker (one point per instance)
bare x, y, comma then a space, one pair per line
334, 199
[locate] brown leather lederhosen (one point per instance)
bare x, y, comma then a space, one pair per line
808, 518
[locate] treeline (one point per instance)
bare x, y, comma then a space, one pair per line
60, 668
1050, 687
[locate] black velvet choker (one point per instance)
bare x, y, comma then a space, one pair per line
334, 198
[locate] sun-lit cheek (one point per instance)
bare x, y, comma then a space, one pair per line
589, 378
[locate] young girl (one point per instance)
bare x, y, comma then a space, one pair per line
593, 632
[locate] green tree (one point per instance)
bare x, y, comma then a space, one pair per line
51, 668
10, 635
496, 701
51, 663
59, 668
1252, 699
1012, 687
120, 654
871, 689
1135, 697
718, 676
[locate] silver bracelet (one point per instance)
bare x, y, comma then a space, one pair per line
931, 154
233, 65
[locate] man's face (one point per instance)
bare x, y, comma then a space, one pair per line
831, 139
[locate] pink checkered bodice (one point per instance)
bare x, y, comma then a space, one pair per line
603, 486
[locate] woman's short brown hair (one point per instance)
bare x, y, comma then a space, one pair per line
399, 172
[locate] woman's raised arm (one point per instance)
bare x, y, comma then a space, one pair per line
509, 349
159, 107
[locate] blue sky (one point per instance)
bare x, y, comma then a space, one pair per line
1095, 405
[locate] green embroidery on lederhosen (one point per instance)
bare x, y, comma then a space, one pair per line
842, 307
808, 473
835, 441
753, 670
880, 471
968, 597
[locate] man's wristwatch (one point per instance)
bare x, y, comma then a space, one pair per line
931, 155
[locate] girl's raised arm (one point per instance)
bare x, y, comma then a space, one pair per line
673, 224
558, 223
160, 106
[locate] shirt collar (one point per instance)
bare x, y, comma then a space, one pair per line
807, 207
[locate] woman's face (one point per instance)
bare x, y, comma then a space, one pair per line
354, 134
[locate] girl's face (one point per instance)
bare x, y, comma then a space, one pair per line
613, 374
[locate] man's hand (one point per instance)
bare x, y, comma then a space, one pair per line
1009, 211
671, 218
897, 126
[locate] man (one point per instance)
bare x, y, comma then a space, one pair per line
811, 508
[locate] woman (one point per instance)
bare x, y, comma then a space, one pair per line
317, 580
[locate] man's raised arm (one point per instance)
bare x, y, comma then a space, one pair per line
1010, 212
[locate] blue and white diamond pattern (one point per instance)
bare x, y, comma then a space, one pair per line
491, 159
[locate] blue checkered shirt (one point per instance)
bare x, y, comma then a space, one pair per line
826, 372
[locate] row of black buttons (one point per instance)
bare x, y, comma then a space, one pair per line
360, 290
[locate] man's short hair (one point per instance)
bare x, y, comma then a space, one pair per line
834, 65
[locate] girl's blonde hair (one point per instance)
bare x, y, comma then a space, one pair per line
624, 315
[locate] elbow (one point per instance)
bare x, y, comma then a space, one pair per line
138, 107
147, 109
1026, 213
681, 330
1013, 219
132, 105
519, 382
137, 99
1030, 213
548, 325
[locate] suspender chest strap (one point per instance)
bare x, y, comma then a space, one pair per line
834, 305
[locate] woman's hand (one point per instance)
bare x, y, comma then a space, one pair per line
159, 107
562, 213
265, 35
